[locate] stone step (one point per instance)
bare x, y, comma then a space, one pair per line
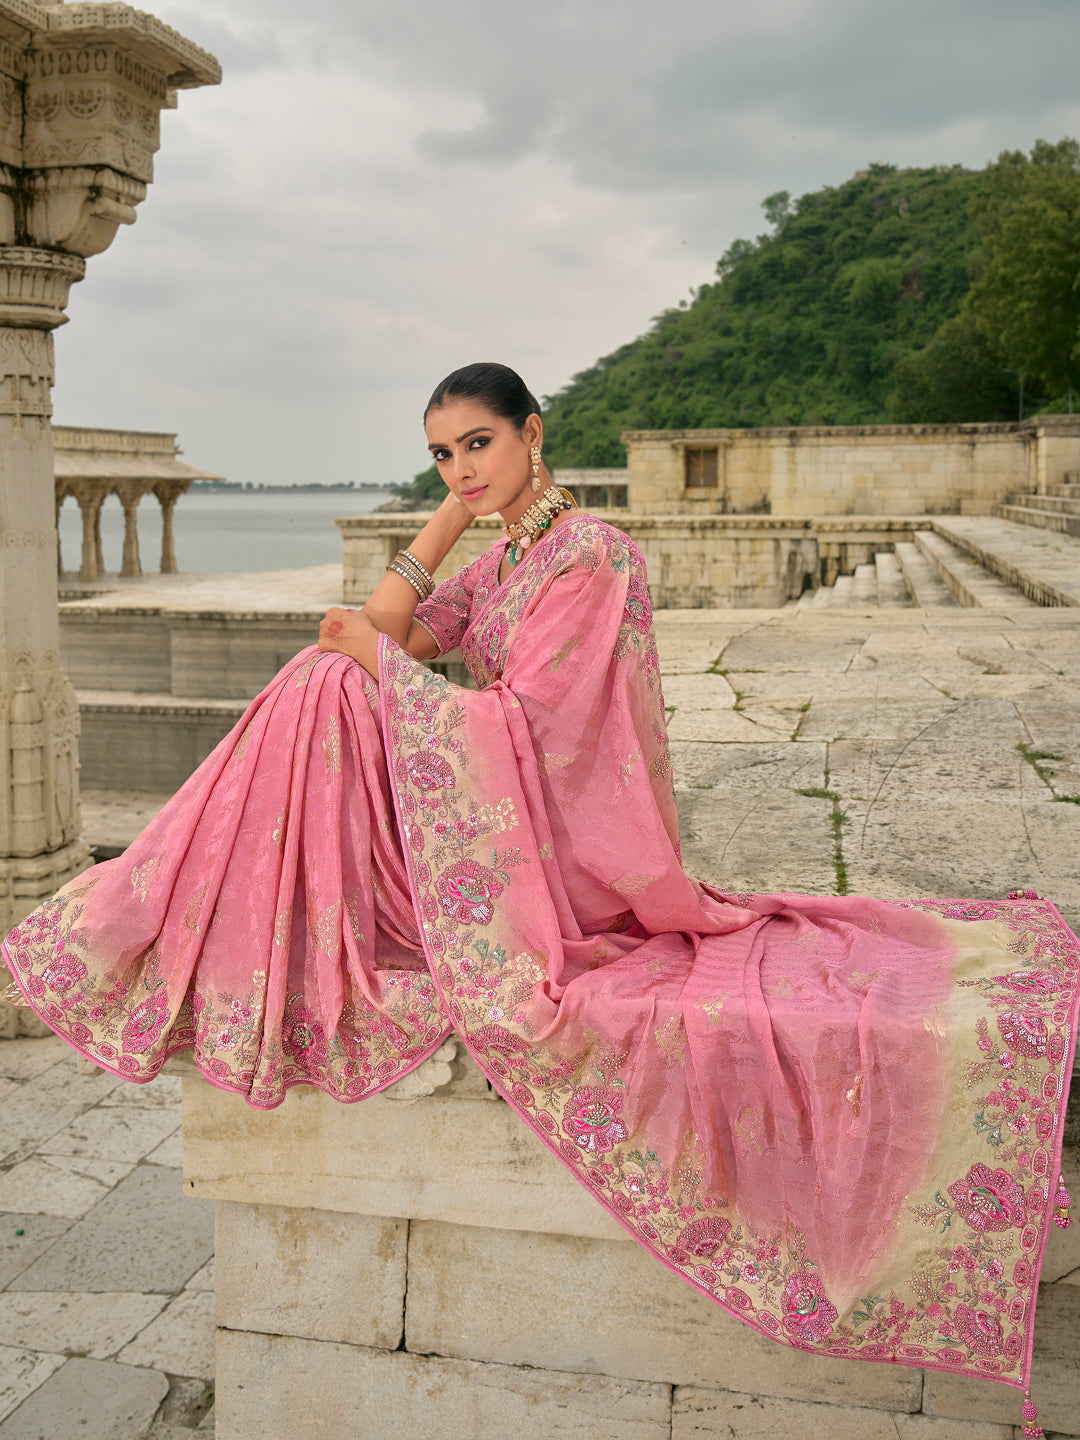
132, 740
822, 597
1039, 563
967, 581
891, 590
864, 590
925, 586
1061, 504
1070, 490
841, 597
1041, 519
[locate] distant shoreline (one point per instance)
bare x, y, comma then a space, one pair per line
235, 487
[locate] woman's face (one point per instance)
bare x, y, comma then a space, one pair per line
483, 459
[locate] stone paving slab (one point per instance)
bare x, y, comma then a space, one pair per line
73, 1323
91, 1399
144, 1235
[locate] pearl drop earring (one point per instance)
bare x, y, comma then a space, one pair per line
534, 456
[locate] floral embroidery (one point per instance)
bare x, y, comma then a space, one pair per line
1023, 1032
467, 890
988, 1200
981, 1330
146, 1023
808, 1313
592, 1119
428, 771
703, 1239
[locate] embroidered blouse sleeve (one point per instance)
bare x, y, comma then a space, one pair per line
445, 616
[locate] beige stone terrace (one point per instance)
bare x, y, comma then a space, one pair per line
896, 751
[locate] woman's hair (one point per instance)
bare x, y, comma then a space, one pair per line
497, 387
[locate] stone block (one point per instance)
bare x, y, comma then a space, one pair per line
699, 765
180, 1340
121, 1133
273, 1386
759, 840
21, 1373
1054, 1378
23, 1059
376, 1159
45, 1104
66, 1186
89, 1398
315, 1274
701, 1414
93, 1325
18, 1251
604, 1307
144, 1235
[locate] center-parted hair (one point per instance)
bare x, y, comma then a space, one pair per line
496, 387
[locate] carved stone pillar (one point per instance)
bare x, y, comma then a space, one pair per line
81, 90
130, 566
167, 497
90, 514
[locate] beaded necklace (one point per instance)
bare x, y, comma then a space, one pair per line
524, 532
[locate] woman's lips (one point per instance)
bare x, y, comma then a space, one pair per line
472, 493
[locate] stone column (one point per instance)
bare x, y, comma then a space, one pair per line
89, 502
129, 499
167, 497
81, 91
39, 716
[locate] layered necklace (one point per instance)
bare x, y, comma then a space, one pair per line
524, 532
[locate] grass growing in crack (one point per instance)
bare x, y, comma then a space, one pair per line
740, 696
717, 669
838, 823
1035, 758
1068, 799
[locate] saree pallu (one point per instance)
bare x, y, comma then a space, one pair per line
838, 1117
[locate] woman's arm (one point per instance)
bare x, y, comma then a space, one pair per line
389, 610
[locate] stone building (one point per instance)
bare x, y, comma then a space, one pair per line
91, 465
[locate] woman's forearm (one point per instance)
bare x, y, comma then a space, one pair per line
390, 608
391, 605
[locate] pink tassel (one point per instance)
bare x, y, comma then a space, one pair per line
1030, 1412
1024, 895
1062, 1203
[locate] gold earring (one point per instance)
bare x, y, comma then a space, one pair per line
534, 456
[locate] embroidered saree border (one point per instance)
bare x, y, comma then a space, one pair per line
978, 1324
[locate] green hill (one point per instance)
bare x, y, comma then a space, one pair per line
804, 326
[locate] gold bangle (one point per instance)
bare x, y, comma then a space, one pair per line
397, 569
405, 566
408, 555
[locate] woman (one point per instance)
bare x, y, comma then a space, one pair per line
785, 1098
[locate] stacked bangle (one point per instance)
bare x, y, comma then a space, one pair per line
410, 569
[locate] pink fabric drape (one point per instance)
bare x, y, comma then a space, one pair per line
838, 1117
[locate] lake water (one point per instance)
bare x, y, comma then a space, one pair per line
228, 529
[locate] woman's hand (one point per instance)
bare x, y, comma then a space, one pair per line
350, 632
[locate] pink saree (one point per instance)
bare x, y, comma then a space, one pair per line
840, 1118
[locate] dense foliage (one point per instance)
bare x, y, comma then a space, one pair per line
858, 307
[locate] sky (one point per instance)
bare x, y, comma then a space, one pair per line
380, 192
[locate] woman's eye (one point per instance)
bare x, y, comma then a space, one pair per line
440, 455
480, 442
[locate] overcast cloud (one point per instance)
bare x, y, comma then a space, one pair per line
378, 193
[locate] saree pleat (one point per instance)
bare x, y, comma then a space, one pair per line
838, 1117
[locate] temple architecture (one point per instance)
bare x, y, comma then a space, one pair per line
81, 91
91, 465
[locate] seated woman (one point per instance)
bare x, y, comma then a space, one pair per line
783, 1097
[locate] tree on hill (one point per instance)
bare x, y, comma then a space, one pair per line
1026, 292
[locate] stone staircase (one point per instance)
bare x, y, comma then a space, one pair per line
1057, 510
993, 562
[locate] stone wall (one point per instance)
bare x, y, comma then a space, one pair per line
429, 1268
695, 561
851, 470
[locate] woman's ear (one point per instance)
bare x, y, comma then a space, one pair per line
532, 432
